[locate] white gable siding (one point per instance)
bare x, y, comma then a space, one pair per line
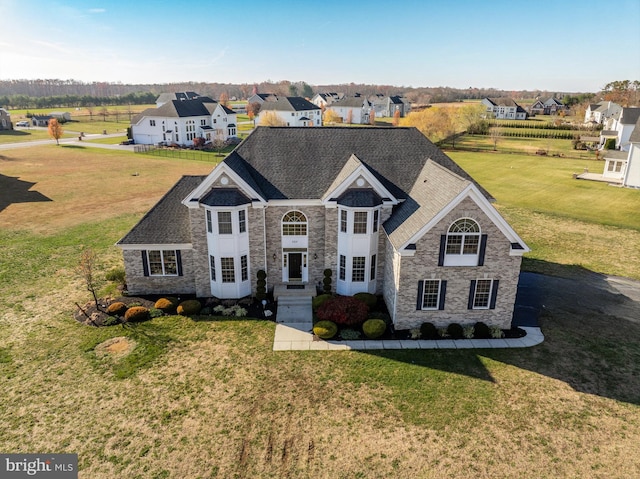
632, 175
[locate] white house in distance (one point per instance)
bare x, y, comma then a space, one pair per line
262, 97
180, 121
632, 173
624, 123
353, 108
293, 111
598, 113
324, 99
504, 108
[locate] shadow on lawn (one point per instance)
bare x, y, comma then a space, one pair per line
15, 190
591, 324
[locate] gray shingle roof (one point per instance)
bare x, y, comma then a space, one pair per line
289, 103
360, 198
275, 158
225, 197
635, 134
629, 116
201, 106
168, 221
434, 188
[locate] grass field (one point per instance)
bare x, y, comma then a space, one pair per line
210, 399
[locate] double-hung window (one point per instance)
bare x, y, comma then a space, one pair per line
162, 263
359, 222
483, 294
228, 270
224, 223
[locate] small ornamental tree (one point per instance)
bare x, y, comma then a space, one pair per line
224, 99
330, 116
55, 130
396, 118
349, 119
343, 310
271, 118
372, 117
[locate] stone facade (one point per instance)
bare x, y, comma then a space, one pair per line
498, 265
138, 283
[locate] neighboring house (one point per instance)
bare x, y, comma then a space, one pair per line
615, 165
262, 97
504, 108
632, 170
181, 121
167, 97
599, 113
550, 106
41, 120
623, 124
384, 209
61, 116
5, 120
324, 99
356, 108
386, 106
293, 111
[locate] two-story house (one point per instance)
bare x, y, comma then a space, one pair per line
182, 120
293, 111
384, 209
599, 113
352, 109
504, 109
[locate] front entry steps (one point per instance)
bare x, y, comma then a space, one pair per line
295, 309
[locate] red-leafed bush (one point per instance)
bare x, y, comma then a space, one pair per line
344, 310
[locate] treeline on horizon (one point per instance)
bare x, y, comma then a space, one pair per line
53, 93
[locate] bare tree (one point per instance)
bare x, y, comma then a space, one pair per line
55, 130
86, 269
496, 135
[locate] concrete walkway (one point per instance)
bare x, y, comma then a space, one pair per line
299, 337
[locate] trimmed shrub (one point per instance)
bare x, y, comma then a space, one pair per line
429, 331
166, 305
261, 285
136, 314
371, 300
325, 329
610, 144
326, 281
374, 328
117, 309
116, 275
155, 313
455, 331
111, 321
343, 310
320, 300
481, 331
380, 315
189, 307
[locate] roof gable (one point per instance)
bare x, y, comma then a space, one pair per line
167, 222
277, 156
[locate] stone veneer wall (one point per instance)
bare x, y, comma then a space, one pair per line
331, 245
255, 229
200, 252
316, 235
424, 265
138, 283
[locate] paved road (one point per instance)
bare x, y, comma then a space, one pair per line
72, 141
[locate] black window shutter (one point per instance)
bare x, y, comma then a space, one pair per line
420, 293
179, 262
472, 290
145, 264
483, 248
443, 245
494, 294
443, 293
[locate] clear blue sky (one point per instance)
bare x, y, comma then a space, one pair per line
554, 45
